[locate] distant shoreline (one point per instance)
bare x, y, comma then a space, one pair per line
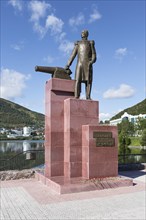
21, 139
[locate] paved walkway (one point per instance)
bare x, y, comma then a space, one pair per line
31, 200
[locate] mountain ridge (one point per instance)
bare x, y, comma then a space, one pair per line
15, 115
139, 108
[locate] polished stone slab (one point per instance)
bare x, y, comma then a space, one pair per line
63, 185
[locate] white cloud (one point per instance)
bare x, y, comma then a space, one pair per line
51, 22
17, 4
78, 20
12, 83
61, 36
94, 16
39, 29
104, 116
38, 9
49, 59
66, 46
121, 52
18, 46
54, 24
124, 91
38, 12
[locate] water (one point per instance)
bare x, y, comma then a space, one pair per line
15, 154
11, 148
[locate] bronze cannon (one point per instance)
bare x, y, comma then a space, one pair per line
56, 72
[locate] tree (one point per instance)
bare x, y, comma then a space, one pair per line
101, 122
143, 124
124, 142
107, 122
143, 138
126, 127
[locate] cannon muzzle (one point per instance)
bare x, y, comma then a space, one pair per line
45, 69
57, 72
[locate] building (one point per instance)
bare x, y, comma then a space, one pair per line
130, 118
14, 133
27, 131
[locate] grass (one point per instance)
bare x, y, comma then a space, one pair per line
135, 151
135, 141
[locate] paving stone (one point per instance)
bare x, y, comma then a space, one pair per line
30, 200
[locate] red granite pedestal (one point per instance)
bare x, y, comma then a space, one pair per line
57, 90
75, 159
99, 161
76, 113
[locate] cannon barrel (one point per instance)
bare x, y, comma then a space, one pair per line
56, 72
45, 69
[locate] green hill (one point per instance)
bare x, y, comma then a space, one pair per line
137, 109
14, 115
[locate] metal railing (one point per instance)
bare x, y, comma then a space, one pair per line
33, 158
24, 160
131, 158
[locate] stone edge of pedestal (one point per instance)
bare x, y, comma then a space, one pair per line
64, 85
85, 185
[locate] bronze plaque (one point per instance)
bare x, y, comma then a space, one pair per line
107, 142
102, 134
104, 139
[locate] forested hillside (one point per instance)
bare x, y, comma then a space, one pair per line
14, 115
137, 109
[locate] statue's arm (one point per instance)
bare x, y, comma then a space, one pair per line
73, 55
93, 51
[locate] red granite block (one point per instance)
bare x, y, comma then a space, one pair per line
72, 138
99, 161
67, 170
57, 90
76, 113
57, 154
76, 169
75, 123
63, 185
85, 154
75, 154
53, 185
47, 171
84, 108
72, 169
80, 112
57, 168
60, 85
41, 178
103, 169
57, 139
106, 153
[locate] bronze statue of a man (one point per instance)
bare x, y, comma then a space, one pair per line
86, 54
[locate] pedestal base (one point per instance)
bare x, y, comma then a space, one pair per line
63, 185
80, 154
99, 161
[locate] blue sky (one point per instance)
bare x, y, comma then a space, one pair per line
44, 32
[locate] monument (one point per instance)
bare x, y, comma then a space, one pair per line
86, 53
80, 154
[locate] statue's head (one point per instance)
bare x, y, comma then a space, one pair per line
84, 34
